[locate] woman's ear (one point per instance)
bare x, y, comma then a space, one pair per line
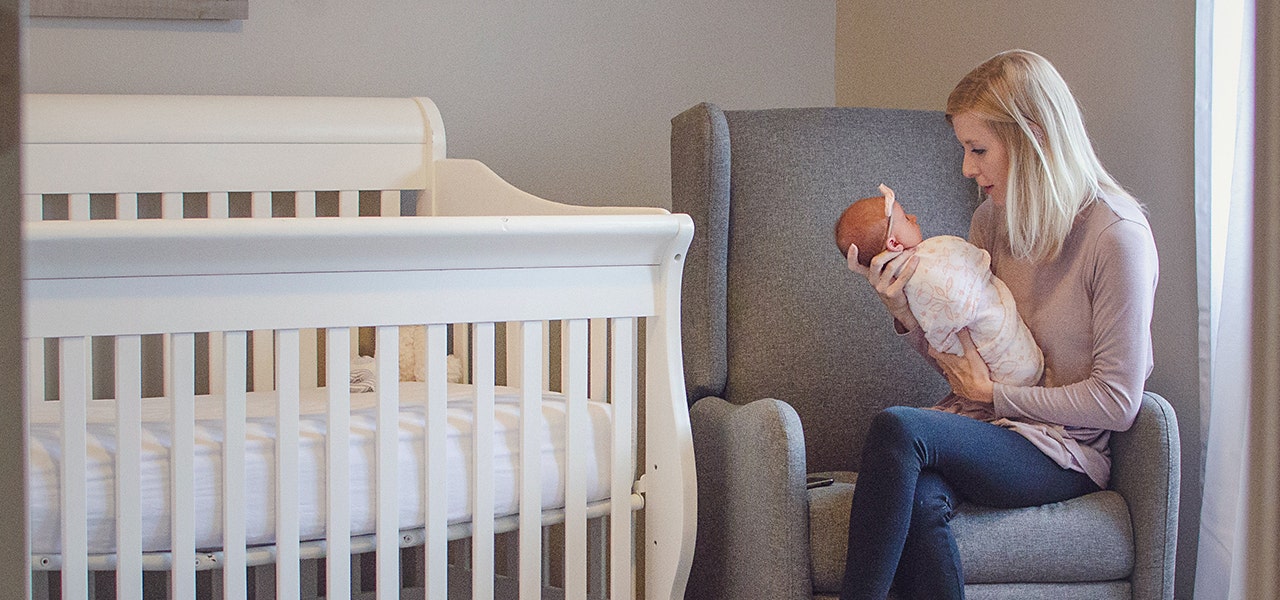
893, 245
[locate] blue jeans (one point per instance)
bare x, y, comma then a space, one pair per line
917, 466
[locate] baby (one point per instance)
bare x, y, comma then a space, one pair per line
952, 287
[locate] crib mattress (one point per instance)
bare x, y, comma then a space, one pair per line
45, 457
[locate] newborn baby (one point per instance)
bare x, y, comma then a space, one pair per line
952, 288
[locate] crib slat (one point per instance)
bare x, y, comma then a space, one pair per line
388, 434
436, 549
219, 205
304, 204
288, 582
73, 390
182, 366
78, 207
127, 207
623, 468
390, 203
128, 470
575, 497
33, 358
171, 205
482, 546
349, 203
32, 207
260, 205
232, 358
530, 382
170, 208
515, 361
337, 466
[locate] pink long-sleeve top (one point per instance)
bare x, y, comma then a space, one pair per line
1089, 309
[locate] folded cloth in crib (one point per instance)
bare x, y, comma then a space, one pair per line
362, 374
45, 457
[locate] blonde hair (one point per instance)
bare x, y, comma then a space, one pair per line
1053, 170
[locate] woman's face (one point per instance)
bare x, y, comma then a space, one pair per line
986, 160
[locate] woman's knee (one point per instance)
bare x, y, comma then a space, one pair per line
896, 436
897, 423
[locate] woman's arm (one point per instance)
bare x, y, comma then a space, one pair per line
968, 374
1121, 289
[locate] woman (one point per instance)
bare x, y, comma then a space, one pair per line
1078, 256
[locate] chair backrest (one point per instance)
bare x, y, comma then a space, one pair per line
769, 309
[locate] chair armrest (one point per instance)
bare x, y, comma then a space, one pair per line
753, 509
1145, 469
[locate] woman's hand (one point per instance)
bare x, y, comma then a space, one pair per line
968, 374
888, 275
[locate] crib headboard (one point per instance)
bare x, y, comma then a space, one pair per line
363, 151
81, 145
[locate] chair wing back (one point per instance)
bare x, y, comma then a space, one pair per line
769, 309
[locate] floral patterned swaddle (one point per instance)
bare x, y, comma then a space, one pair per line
953, 288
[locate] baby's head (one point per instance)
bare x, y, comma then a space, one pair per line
865, 224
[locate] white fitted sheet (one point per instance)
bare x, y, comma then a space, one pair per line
45, 456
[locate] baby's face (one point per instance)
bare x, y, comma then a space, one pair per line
905, 228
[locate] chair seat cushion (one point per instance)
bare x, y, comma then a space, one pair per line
1079, 540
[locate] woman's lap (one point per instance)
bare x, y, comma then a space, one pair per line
984, 463
912, 451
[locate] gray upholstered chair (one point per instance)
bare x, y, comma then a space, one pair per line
788, 355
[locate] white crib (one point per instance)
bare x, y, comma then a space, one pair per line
201, 273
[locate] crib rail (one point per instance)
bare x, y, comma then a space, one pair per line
317, 549
229, 295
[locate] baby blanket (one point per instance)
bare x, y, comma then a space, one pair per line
953, 288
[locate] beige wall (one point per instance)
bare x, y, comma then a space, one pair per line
569, 100
1131, 66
